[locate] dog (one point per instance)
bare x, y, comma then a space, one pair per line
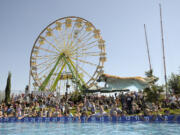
115, 82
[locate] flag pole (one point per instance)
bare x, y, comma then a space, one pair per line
163, 50
147, 45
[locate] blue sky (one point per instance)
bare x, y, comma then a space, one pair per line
121, 24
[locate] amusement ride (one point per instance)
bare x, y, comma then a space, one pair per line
68, 54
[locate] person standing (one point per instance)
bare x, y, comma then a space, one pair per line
129, 101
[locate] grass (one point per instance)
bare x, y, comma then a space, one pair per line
172, 111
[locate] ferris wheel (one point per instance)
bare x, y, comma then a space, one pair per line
71, 50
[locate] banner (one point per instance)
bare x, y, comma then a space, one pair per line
170, 118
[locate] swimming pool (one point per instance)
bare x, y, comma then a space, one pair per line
127, 128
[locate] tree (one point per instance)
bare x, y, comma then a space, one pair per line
153, 93
149, 74
174, 83
76, 96
8, 89
27, 89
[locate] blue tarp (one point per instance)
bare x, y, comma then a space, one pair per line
170, 118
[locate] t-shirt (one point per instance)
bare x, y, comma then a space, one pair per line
129, 100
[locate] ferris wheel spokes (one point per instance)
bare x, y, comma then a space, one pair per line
80, 47
42, 87
57, 78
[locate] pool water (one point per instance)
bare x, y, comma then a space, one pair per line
127, 128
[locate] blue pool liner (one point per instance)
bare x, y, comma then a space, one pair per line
169, 118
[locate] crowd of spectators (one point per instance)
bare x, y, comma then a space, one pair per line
52, 105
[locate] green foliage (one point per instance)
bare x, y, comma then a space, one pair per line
149, 74
2, 96
8, 89
153, 93
76, 96
174, 83
27, 89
